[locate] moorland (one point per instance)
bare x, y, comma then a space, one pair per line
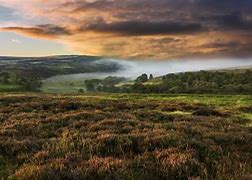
125, 136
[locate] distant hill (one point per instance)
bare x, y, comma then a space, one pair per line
67, 74
44, 67
238, 69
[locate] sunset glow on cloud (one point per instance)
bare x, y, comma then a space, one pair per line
143, 29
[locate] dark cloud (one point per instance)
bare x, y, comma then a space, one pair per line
46, 30
234, 21
220, 6
138, 28
152, 17
118, 5
54, 30
164, 16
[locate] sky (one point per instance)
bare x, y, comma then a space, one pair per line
130, 29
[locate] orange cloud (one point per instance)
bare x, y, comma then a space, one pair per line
140, 29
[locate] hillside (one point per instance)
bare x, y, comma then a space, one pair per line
44, 67
26, 74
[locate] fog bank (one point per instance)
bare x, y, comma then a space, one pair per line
132, 69
157, 68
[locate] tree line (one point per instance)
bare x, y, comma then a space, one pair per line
25, 83
228, 82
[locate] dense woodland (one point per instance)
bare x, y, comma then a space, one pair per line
228, 82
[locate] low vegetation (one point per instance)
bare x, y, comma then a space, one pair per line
123, 136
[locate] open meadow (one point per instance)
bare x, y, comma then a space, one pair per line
125, 136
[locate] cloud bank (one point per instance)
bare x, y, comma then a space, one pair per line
147, 29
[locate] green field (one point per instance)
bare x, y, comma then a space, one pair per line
9, 88
59, 87
125, 136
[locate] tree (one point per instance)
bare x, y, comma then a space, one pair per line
29, 84
142, 79
91, 85
112, 80
4, 77
80, 91
138, 88
151, 77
